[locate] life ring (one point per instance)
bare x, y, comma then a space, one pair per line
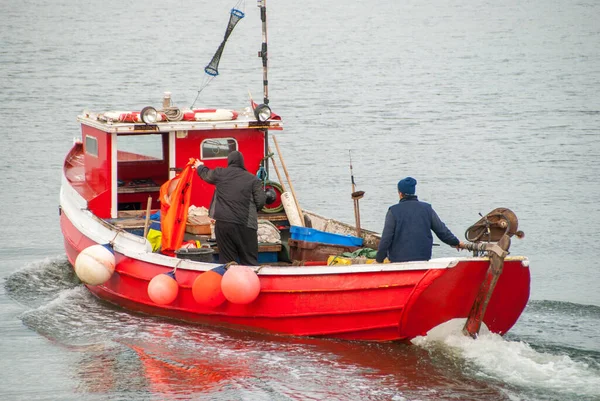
209, 115
128, 116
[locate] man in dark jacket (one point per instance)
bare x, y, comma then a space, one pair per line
238, 198
408, 225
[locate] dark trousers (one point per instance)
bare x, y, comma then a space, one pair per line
237, 243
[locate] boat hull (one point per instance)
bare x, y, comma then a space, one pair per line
370, 303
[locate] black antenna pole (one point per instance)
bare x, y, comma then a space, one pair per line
263, 52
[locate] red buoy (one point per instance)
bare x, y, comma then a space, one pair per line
163, 289
206, 289
240, 285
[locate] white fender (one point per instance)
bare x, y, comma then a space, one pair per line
95, 264
290, 209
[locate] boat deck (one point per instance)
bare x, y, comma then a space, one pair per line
133, 221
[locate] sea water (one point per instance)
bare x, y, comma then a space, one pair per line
487, 104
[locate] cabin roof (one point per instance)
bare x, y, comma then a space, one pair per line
120, 122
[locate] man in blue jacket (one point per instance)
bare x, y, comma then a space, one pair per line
408, 225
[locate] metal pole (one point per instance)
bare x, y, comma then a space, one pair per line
263, 52
147, 221
277, 172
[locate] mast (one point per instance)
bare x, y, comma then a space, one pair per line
263, 52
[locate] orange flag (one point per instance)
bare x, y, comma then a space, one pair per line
175, 197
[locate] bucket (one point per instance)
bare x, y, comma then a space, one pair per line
196, 254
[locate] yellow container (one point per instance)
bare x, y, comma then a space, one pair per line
343, 261
338, 261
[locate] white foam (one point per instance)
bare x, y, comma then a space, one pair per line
513, 362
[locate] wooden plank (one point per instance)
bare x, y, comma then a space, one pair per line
129, 223
269, 247
134, 213
281, 216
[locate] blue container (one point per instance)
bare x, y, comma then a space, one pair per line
263, 257
267, 257
313, 235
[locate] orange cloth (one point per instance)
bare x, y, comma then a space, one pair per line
175, 197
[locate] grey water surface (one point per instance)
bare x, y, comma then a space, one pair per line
487, 103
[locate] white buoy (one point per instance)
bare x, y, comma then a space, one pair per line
95, 264
289, 205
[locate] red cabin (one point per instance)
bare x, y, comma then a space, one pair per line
124, 163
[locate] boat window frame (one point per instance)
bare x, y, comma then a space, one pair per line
204, 157
88, 151
146, 158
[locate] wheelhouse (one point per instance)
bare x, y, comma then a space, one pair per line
118, 163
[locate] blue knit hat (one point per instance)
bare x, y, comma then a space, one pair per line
407, 186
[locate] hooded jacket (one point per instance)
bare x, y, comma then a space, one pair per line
238, 194
407, 232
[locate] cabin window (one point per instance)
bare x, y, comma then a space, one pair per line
217, 148
91, 146
136, 148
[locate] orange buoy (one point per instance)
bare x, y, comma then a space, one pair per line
240, 285
163, 289
206, 289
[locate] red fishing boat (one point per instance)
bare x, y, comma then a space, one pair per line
126, 202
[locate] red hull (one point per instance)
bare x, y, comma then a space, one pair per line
371, 305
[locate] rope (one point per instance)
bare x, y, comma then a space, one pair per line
173, 113
279, 208
205, 81
112, 241
262, 175
177, 265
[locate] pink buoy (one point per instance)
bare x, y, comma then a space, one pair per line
240, 285
163, 289
206, 289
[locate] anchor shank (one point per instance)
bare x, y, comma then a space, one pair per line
497, 254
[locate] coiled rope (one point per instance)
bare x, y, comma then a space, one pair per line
173, 113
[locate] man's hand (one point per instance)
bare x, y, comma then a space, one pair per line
198, 163
460, 246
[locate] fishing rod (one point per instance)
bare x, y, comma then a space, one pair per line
356, 195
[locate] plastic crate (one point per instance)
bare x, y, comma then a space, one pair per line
314, 235
316, 251
267, 257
